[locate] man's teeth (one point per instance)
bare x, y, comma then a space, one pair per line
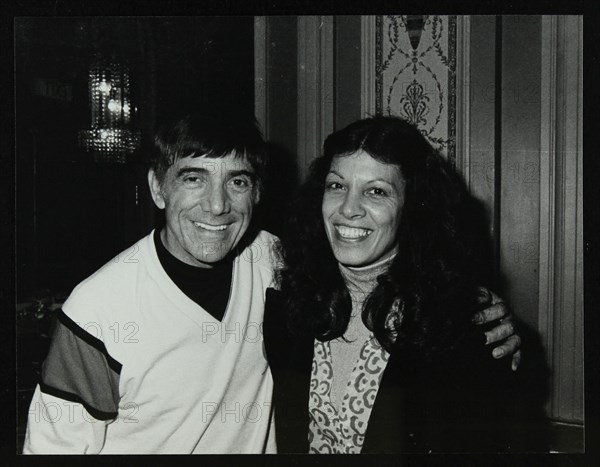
352, 232
210, 227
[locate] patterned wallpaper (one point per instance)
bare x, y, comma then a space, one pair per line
416, 74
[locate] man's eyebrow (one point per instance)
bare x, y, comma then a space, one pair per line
192, 170
237, 173
204, 171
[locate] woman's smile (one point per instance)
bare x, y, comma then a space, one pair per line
352, 233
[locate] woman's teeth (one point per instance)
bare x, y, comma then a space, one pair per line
212, 228
352, 232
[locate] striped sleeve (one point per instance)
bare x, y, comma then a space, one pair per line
81, 380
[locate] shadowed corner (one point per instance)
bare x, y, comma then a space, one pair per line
532, 379
533, 432
280, 184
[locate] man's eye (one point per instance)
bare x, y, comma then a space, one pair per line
191, 179
240, 184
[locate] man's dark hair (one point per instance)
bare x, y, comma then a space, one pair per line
213, 135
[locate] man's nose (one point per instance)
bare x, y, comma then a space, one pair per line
216, 201
352, 205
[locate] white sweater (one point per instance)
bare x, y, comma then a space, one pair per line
182, 381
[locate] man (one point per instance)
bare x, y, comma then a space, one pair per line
160, 351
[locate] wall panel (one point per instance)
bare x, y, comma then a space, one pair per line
519, 162
561, 218
416, 74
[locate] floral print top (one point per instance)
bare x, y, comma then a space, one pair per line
343, 432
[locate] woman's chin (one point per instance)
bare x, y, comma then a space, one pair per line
360, 257
356, 260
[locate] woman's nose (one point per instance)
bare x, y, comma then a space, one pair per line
352, 205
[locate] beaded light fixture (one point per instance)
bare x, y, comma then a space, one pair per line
111, 137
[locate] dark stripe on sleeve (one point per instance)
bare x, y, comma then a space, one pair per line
97, 414
88, 338
78, 369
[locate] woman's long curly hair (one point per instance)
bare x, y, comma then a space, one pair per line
440, 259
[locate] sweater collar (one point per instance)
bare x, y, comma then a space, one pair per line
177, 268
362, 280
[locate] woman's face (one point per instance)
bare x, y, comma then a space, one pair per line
362, 205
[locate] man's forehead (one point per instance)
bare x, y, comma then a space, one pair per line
230, 162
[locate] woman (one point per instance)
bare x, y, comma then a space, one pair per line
370, 339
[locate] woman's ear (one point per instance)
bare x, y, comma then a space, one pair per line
156, 189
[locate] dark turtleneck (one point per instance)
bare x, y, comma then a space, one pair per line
208, 287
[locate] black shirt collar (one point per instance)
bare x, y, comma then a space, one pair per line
208, 287
171, 264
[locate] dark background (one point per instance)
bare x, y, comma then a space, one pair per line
73, 214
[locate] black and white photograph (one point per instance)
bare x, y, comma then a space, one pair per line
299, 234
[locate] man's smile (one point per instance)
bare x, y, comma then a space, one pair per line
210, 227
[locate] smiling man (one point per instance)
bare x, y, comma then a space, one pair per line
208, 205
161, 350
186, 373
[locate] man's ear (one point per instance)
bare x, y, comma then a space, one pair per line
257, 194
155, 190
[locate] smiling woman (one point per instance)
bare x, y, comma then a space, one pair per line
370, 337
362, 208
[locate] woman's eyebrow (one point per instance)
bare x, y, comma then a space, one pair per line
381, 180
368, 181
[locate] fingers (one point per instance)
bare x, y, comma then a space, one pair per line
516, 360
500, 332
495, 298
487, 297
484, 296
496, 311
511, 346
505, 331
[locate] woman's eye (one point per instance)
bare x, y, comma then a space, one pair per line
377, 192
334, 186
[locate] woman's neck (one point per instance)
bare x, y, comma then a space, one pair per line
362, 280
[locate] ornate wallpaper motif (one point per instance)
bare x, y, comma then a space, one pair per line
416, 74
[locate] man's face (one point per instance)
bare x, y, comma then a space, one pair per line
208, 206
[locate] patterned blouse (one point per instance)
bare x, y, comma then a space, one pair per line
343, 432
339, 427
